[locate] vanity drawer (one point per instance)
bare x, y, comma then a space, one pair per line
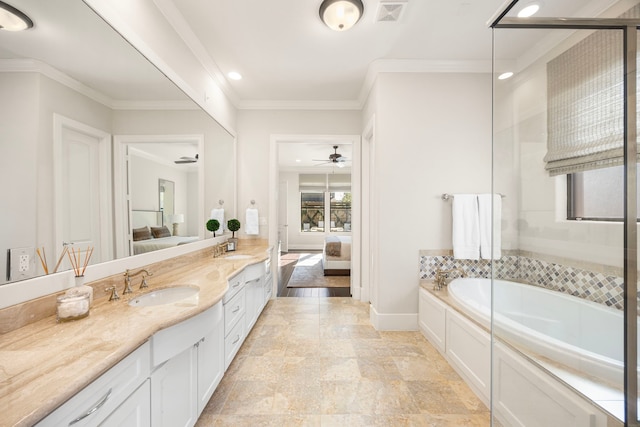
236, 283
234, 309
232, 342
98, 400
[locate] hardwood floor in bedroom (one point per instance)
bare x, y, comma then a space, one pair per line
287, 264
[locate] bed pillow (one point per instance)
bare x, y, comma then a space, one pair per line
159, 232
141, 233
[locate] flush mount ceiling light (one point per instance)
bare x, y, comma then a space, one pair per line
11, 19
340, 15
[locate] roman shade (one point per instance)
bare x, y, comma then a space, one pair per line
585, 96
340, 182
319, 183
312, 183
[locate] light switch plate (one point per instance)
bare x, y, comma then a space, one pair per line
21, 264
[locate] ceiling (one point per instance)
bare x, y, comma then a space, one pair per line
287, 56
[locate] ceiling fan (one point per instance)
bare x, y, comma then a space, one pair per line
185, 159
335, 158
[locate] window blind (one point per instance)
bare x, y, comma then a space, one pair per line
585, 96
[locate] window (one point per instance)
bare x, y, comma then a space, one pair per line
340, 211
312, 212
325, 202
596, 194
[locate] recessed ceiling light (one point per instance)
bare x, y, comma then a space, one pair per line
505, 76
234, 75
529, 10
11, 19
298, 160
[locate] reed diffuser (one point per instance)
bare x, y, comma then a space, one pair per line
79, 263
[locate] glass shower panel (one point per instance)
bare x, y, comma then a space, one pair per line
557, 290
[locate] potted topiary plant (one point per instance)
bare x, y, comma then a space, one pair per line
233, 225
213, 225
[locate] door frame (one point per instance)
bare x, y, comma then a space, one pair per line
60, 123
356, 207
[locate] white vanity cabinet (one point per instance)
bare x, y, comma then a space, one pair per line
188, 364
118, 397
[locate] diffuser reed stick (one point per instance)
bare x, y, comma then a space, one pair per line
60, 258
43, 260
86, 259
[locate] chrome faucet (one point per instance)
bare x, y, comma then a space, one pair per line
127, 280
443, 275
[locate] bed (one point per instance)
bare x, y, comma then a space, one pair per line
336, 256
150, 235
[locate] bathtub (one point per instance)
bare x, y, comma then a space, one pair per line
578, 333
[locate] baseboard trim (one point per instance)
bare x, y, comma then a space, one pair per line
393, 322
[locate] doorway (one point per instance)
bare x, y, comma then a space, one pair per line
290, 224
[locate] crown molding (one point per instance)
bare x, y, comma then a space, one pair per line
182, 28
35, 66
375, 68
186, 104
298, 105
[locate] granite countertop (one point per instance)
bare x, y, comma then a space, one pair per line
45, 363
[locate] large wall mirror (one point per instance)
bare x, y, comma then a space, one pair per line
89, 127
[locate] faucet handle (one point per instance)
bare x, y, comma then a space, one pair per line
144, 282
114, 293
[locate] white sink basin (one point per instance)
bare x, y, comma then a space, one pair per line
238, 256
166, 296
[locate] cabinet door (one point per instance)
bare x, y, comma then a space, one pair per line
173, 391
255, 296
210, 364
134, 412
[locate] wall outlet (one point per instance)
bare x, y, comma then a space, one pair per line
21, 264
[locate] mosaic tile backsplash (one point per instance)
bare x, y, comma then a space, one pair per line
596, 287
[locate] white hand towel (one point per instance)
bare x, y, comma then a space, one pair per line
252, 222
490, 223
218, 213
466, 234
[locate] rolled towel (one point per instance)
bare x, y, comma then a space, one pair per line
252, 223
465, 227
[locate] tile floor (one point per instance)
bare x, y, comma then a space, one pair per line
319, 362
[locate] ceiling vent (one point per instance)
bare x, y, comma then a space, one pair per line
390, 11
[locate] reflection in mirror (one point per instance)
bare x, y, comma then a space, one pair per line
166, 199
74, 97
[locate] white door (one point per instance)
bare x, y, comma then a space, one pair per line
283, 222
82, 189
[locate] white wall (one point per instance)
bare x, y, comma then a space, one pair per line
433, 136
255, 128
218, 156
145, 174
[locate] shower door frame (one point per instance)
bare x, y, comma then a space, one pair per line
629, 27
